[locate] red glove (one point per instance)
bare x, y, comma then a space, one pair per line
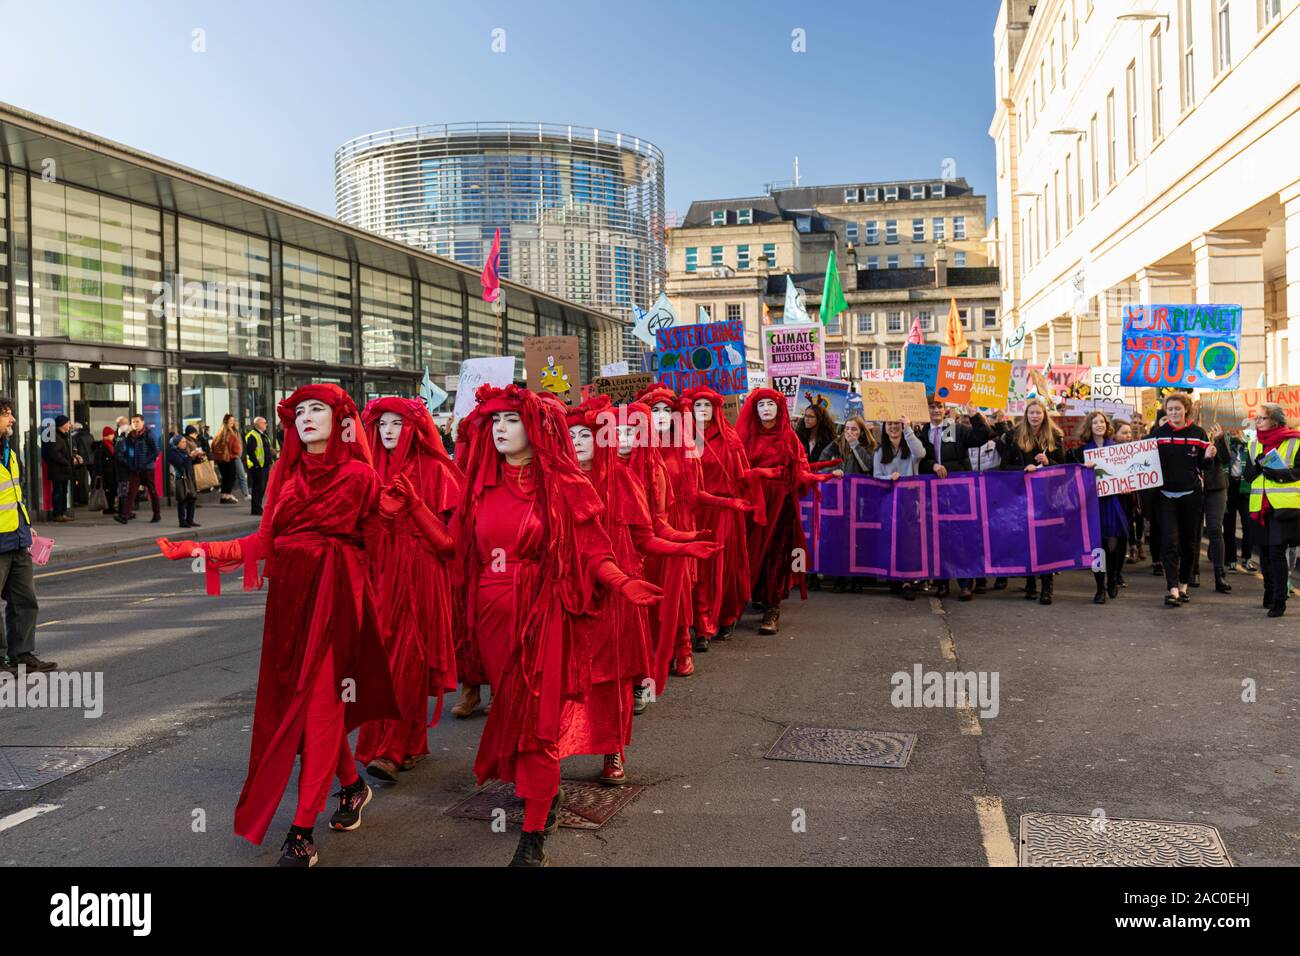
633, 589
702, 549
177, 550
433, 530
769, 474
393, 500
224, 550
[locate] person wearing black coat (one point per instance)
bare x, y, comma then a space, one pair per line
182, 453
83, 448
947, 449
1185, 453
1034, 443
59, 461
103, 467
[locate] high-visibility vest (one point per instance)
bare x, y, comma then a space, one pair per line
255, 440
11, 494
1281, 494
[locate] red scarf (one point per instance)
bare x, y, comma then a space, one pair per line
1271, 438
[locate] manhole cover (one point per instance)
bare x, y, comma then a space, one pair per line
1063, 839
26, 768
587, 805
860, 748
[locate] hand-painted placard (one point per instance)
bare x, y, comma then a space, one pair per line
1186, 346
1127, 466
832, 395
790, 351
1231, 408
886, 401
990, 524
497, 370
921, 364
709, 353
622, 389
972, 381
551, 365
833, 363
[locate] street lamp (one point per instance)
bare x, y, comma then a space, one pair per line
1067, 131
1143, 15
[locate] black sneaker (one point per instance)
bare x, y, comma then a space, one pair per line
531, 850
724, 632
352, 800
120, 519
553, 815
699, 644
32, 663
298, 850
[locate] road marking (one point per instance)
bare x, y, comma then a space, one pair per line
31, 813
970, 724
48, 623
998, 847
96, 567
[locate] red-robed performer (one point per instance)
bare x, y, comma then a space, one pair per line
621, 631
535, 558
723, 588
778, 551
412, 584
323, 669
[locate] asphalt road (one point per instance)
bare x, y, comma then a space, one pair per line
1130, 708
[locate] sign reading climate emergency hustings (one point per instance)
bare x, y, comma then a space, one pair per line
1181, 346
790, 351
710, 353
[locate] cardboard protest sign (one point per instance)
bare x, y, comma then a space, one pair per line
886, 401
833, 361
615, 368
828, 393
1130, 466
882, 375
710, 353
1231, 408
1186, 346
622, 389
790, 351
921, 364
496, 370
972, 381
551, 364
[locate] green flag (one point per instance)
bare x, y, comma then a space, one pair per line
833, 302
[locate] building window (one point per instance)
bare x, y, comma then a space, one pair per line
1186, 60
918, 260
833, 325
918, 230
866, 361
715, 255
1092, 155
692, 258
959, 259
990, 318
735, 312
1110, 137
866, 323
1069, 206
851, 232
891, 262
891, 232
895, 358
936, 227
742, 257
1272, 9
891, 193
1078, 169
1157, 87
873, 232
927, 321
769, 250
873, 262
1222, 38
1065, 51
718, 217
959, 227
872, 193
850, 195
1052, 64
964, 316
1131, 111
918, 192
893, 321
937, 190
745, 216
706, 313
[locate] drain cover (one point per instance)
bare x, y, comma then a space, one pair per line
1063, 839
26, 768
860, 748
587, 805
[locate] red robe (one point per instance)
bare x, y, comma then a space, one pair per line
412, 584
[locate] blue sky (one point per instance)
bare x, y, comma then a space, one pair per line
887, 89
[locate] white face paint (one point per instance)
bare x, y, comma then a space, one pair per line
314, 421
584, 442
766, 409
626, 439
703, 409
508, 433
390, 429
662, 416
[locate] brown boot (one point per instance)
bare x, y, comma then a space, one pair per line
771, 621
468, 703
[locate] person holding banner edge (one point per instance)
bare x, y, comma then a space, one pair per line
1098, 432
1034, 443
1274, 475
948, 444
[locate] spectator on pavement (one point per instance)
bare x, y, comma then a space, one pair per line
17, 584
182, 453
83, 449
259, 456
137, 453
226, 447
104, 468
60, 460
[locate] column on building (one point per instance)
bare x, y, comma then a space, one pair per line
1089, 334
1229, 270
1288, 366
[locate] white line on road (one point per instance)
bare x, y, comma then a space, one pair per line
48, 623
22, 816
993, 829
95, 567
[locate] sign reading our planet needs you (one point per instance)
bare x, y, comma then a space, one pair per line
1183, 346
710, 353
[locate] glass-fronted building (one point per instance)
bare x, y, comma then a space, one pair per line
130, 283
581, 210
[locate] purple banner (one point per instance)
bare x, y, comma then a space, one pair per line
969, 525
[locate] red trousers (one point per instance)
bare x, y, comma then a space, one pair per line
325, 751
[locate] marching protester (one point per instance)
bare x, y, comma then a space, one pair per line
321, 628
533, 558
1098, 432
226, 447
17, 584
1034, 443
948, 445
410, 567
899, 456
816, 431
1216, 479
855, 449
1273, 472
1237, 507
136, 452
259, 456
1184, 449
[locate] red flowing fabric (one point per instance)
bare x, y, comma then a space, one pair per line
775, 533
412, 584
724, 582
319, 513
529, 542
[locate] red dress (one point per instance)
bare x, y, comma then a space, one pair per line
412, 584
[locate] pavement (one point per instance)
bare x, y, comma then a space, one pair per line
1130, 708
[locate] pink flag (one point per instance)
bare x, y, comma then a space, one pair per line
916, 336
492, 271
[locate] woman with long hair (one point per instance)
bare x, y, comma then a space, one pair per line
533, 557
899, 456
322, 628
854, 448
816, 430
227, 446
1096, 431
1185, 449
1035, 442
410, 569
